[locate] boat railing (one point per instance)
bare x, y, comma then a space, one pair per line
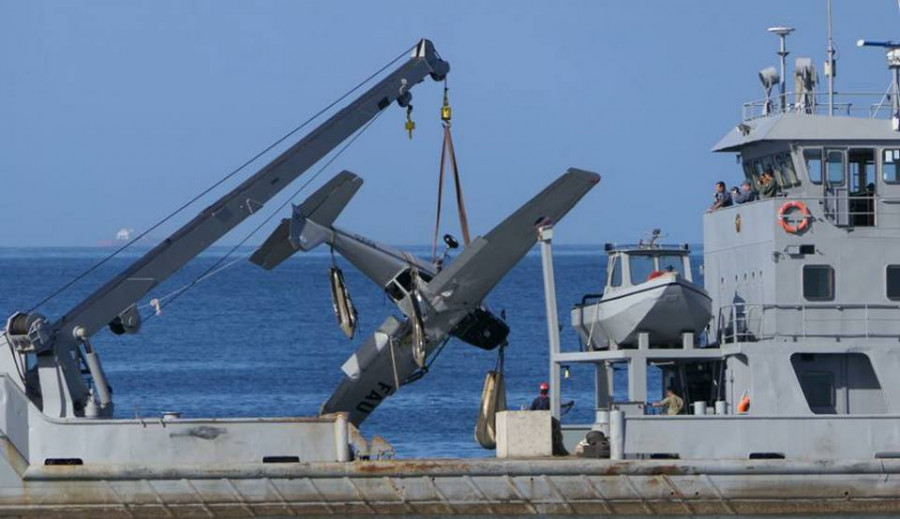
874, 105
744, 322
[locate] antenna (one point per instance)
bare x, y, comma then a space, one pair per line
893, 59
830, 69
782, 33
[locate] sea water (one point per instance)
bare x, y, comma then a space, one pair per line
248, 342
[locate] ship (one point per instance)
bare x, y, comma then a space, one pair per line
788, 393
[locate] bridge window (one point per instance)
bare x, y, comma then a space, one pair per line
835, 167
813, 160
641, 267
818, 282
750, 175
786, 169
890, 166
893, 282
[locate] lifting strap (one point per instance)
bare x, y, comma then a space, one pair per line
448, 150
493, 400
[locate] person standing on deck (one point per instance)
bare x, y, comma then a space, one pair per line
672, 403
769, 186
542, 402
722, 197
745, 194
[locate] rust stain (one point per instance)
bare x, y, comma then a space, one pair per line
404, 467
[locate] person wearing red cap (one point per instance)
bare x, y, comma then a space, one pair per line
542, 402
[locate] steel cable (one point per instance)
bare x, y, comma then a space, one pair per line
171, 215
209, 272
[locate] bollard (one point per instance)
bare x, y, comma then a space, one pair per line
700, 408
721, 407
617, 435
342, 437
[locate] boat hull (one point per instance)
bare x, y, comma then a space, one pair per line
666, 308
447, 487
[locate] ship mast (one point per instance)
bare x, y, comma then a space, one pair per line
829, 65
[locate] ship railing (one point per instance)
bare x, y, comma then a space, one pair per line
874, 105
844, 207
745, 322
849, 207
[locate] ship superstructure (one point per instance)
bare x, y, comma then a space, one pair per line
800, 356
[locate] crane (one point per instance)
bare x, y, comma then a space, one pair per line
62, 389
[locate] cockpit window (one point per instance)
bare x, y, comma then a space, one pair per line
671, 263
615, 279
641, 267
402, 283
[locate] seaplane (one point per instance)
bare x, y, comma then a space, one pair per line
438, 299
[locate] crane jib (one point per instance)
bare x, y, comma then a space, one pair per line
104, 305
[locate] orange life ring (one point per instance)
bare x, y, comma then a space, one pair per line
655, 274
789, 206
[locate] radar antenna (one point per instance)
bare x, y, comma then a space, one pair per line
893, 59
782, 33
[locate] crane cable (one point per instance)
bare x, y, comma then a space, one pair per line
159, 303
218, 183
447, 150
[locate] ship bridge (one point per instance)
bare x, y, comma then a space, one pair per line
774, 272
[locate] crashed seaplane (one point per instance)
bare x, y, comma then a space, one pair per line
437, 301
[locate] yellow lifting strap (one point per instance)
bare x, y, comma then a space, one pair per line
448, 151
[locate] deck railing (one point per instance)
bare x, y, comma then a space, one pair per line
742, 322
875, 105
844, 208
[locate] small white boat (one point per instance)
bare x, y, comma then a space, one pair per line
649, 288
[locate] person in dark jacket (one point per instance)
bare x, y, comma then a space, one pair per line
722, 197
769, 186
542, 402
745, 194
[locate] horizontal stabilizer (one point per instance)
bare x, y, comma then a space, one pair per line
322, 209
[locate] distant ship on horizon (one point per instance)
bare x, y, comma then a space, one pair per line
125, 235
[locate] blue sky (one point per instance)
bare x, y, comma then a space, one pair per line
114, 113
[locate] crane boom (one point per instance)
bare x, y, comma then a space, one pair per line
116, 296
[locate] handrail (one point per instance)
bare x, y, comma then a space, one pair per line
869, 104
749, 322
840, 209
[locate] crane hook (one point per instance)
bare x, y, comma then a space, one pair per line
410, 124
445, 108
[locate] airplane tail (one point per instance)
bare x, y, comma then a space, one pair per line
310, 222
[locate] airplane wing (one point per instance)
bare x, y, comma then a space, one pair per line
322, 207
385, 360
471, 276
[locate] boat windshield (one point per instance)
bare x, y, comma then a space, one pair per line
642, 265
671, 263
